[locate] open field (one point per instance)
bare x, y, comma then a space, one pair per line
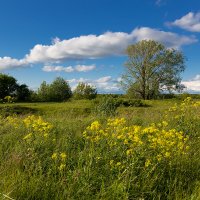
74, 152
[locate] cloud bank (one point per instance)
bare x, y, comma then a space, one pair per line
79, 68
93, 47
193, 84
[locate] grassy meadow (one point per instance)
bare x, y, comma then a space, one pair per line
71, 150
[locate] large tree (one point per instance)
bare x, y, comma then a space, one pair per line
23, 93
151, 67
8, 85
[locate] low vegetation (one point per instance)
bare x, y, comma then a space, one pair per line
67, 151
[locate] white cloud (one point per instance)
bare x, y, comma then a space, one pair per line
90, 47
93, 46
190, 22
104, 79
171, 40
84, 68
48, 68
193, 84
79, 68
103, 84
107, 44
78, 80
10, 63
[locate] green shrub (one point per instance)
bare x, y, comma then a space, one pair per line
130, 102
106, 106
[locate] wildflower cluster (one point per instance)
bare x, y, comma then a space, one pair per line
60, 160
36, 126
185, 116
13, 121
153, 143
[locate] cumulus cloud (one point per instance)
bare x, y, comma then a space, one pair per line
103, 84
79, 68
171, 40
90, 47
107, 44
10, 63
193, 84
93, 46
190, 22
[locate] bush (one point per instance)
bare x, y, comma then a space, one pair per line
130, 102
9, 99
106, 106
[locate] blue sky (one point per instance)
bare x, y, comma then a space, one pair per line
84, 40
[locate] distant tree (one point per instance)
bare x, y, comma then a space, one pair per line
34, 97
8, 85
23, 93
44, 92
58, 90
84, 91
151, 68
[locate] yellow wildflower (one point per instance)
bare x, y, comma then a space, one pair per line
147, 163
54, 156
63, 156
61, 167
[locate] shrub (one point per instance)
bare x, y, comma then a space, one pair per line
130, 102
9, 99
106, 106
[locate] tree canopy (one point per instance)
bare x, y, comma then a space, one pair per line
8, 85
84, 91
151, 68
58, 90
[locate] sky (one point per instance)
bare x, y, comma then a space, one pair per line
85, 40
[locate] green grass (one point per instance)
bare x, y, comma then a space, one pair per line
27, 170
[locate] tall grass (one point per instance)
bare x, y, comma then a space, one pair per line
72, 153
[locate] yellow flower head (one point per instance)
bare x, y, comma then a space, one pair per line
63, 156
54, 156
61, 167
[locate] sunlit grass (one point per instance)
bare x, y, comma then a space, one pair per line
68, 151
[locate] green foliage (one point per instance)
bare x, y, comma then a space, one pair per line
144, 153
58, 90
106, 106
130, 102
84, 91
151, 67
8, 85
23, 93
9, 99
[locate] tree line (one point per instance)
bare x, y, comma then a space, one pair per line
58, 91
151, 68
